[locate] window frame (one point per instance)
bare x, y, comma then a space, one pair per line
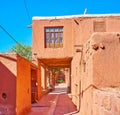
58, 44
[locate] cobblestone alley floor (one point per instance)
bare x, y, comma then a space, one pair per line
56, 102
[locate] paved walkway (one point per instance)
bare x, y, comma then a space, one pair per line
56, 102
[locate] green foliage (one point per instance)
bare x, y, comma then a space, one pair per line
24, 51
59, 80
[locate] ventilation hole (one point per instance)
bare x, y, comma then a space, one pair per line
4, 95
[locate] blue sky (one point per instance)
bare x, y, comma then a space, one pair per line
14, 18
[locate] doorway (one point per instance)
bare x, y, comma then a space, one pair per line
34, 86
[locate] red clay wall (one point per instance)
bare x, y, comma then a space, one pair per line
75, 78
82, 31
101, 57
76, 32
10, 62
86, 78
39, 83
106, 101
106, 61
99, 67
86, 26
25, 72
38, 38
15, 80
23, 94
7, 84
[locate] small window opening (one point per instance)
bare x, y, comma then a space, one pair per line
53, 37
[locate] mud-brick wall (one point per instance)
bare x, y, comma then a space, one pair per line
106, 59
106, 101
39, 83
7, 84
38, 45
23, 95
86, 73
100, 68
75, 79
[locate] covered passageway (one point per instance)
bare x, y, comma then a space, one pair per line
55, 71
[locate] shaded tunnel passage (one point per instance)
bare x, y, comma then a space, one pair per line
55, 71
55, 74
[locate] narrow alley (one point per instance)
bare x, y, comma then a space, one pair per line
57, 102
74, 68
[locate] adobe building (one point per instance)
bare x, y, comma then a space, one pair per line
88, 48
19, 84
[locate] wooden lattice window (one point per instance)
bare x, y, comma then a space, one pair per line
53, 37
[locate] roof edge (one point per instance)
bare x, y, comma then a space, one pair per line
72, 16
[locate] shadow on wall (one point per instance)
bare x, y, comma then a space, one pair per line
7, 91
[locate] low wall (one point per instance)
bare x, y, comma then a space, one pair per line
23, 93
7, 84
